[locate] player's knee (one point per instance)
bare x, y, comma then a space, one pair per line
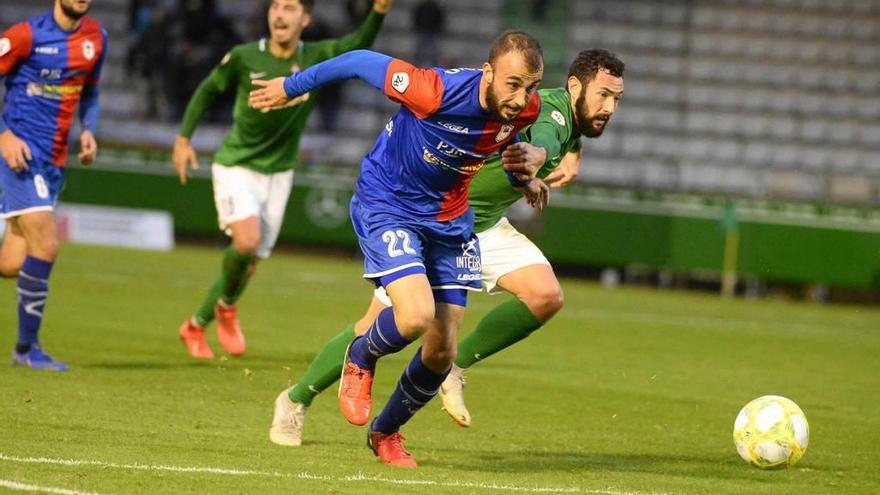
439, 359
45, 248
545, 302
252, 267
413, 319
553, 300
246, 245
413, 322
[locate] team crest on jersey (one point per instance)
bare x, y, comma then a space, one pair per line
505, 131
400, 81
5, 46
88, 49
226, 58
557, 116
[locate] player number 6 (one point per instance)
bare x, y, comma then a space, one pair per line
40, 186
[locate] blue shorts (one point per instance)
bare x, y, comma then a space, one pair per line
34, 189
448, 253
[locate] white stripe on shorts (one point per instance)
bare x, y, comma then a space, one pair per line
396, 269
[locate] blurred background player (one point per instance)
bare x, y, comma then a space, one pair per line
510, 261
411, 213
253, 170
51, 63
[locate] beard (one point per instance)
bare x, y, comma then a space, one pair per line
584, 122
495, 107
71, 12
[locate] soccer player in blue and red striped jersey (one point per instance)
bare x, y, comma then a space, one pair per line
51, 64
410, 209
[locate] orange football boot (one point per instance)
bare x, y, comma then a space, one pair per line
194, 338
390, 449
229, 329
355, 392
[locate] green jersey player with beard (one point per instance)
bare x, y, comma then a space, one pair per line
510, 261
252, 172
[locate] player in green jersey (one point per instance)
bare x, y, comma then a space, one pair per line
510, 261
253, 170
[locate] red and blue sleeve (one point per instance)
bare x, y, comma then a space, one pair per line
420, 90
88, 103
15, 46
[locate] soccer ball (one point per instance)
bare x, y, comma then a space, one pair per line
771, 432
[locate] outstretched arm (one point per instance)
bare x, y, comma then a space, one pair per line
369, 66
419, 90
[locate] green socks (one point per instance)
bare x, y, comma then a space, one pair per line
324, 369
234, 276
502, 327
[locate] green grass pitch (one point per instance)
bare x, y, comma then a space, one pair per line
626, 392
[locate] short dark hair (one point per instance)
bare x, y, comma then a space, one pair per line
521, 42
588, 62
307, 5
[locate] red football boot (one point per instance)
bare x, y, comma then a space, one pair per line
355, 392
390, 449
229, 329
194, 338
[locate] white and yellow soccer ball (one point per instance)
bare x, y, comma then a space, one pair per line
771, 432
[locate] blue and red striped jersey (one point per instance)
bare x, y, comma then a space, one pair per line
433, 146
422, 163
48, 72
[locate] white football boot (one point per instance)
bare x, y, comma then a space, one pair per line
452, 397
287, 422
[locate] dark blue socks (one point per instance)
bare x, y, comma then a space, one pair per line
416, 387
381, 339
33, 289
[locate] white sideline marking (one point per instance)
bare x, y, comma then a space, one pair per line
24, 487
309, 476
